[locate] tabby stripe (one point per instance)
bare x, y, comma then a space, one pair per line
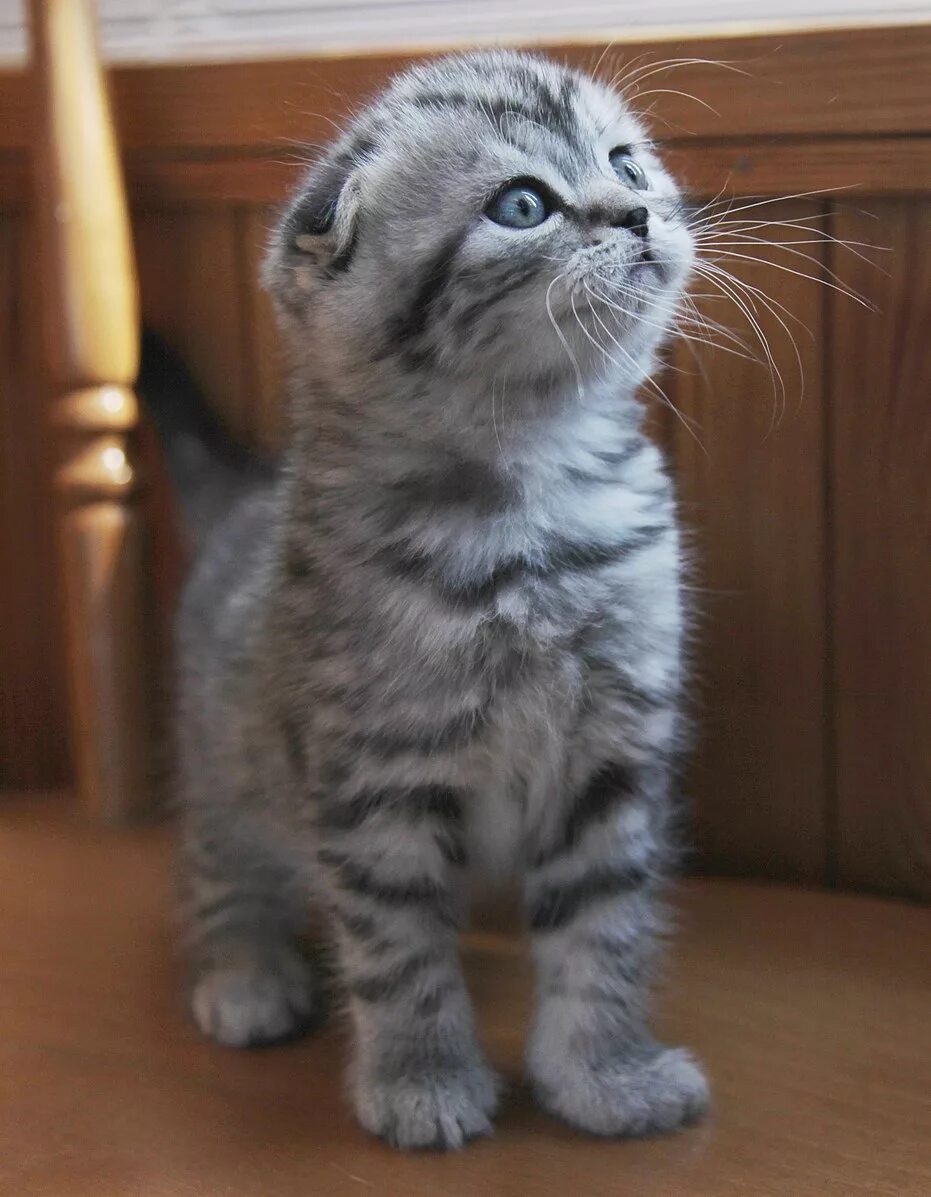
411, 324
457, 733
609, 786
459, 483
494, 294
415, 891
608, 457
570, 555
359, 926
416, 803
540, 109
556, 110
631, 972
420, 567
361, 147
611, 680
623, 1000
558, 557
639, 698
453, 850
382, 987
347, 816
559, 905
444, 99
254, 905
541, 106
618, 457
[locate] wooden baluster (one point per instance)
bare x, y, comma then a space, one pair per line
92, 343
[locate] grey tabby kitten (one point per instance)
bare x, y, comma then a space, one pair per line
447, 634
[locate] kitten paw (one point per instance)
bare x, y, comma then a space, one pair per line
255, 1002
441, 1110
628, 1096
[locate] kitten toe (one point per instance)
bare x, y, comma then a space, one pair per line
628, 1097
255, 1003
440, 1111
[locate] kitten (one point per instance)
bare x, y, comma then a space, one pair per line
447, 634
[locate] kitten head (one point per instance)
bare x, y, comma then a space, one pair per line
492, 213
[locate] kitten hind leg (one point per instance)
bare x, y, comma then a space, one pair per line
251, 984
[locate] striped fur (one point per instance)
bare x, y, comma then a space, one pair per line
448, 635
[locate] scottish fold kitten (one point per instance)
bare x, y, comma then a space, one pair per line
446, 634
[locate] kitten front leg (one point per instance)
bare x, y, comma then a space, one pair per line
593, 912
393, 860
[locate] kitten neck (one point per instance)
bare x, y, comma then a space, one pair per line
409, 458
379, 427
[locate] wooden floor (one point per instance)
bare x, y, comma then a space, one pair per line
812, 1012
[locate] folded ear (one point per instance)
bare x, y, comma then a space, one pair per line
322, 218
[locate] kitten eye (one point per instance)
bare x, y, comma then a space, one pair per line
627, 170
518, 207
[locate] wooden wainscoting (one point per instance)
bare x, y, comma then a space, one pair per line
810, 510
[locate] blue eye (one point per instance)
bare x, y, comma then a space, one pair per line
518, 207
627, 170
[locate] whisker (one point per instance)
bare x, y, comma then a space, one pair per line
762, 201
751, 287
840, 287
601, 57
668, 91
559, 333
650, 381
669, 64
734, 288
681, 321
715, 241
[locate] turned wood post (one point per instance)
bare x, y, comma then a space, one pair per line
91, 314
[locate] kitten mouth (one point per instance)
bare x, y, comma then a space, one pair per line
646, 265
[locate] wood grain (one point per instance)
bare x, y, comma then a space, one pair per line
809, 1010
792, 166
15, 184
193, 281
880, 372
759, 166
199, 274
755, 166
751, 488
33, 742
827, 82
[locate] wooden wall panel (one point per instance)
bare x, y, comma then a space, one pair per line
199, 277
880, 369
825, 81
192, 279
752, 493
33, 739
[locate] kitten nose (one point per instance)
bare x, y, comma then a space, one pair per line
637, 220
616, 215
